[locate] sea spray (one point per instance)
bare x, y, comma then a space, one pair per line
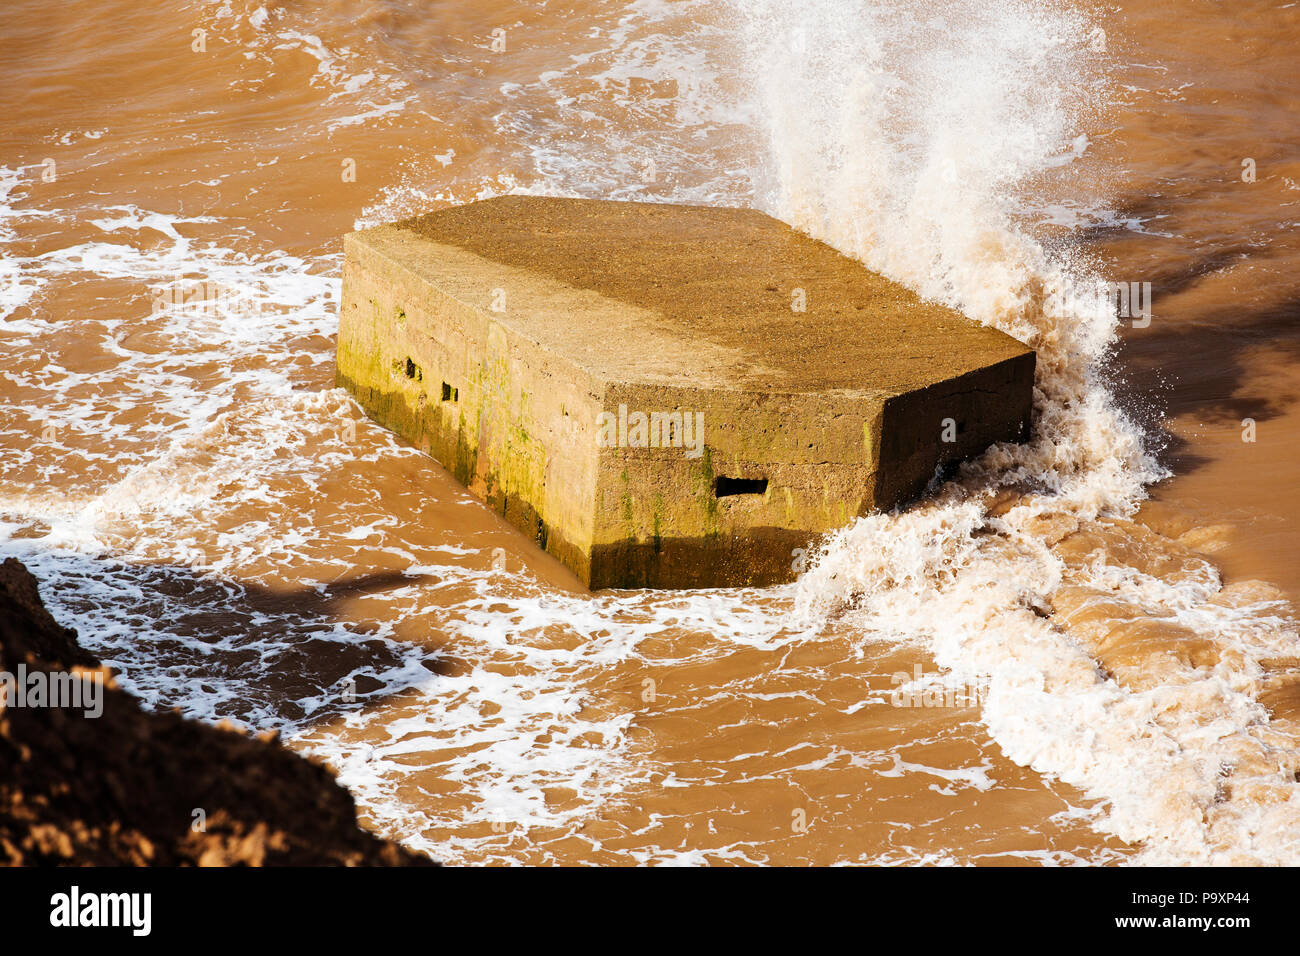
906, 136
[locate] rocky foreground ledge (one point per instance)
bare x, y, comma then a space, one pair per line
129, 787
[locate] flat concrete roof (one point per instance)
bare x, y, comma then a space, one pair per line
688, 295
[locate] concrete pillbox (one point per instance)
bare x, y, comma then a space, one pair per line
665, 396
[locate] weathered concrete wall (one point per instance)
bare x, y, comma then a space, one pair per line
660, 521
510, 421
506, 338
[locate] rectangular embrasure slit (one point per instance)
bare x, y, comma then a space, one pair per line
724, 487
450, 394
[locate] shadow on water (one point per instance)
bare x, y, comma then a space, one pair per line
1199, 356
263, 657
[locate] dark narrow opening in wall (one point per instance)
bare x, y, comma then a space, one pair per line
450, 394
413, 370
724, 486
